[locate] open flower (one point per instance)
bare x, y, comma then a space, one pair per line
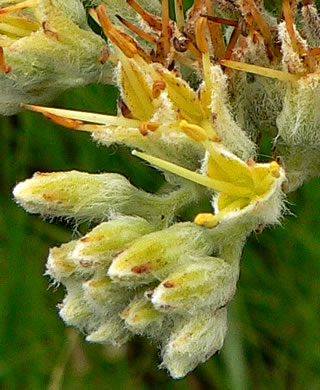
139, 271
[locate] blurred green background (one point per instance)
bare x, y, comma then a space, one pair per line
274, 334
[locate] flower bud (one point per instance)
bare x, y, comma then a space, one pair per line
205, 282
298, 122
74, 310
108, 238
155, 255
142, 318
94, 196
111, 332
193, 341
60, 264
104, 296
49, 48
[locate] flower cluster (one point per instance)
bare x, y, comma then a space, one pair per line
195, 99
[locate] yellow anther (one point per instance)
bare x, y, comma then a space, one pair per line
275, 169
193, 131
206, 219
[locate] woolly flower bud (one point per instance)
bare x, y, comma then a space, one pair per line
299, 120
142, 318
204, 282
123, 279
46, 48
194, 341
94, 196
154, 255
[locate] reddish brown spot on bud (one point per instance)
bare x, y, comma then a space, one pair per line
142, 269
48, 197
3, 67
168, 284
48, 30
85, 263
251, 163
42, 174
149, 294
104, 55
84, 239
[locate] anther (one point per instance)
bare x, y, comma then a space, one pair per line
180, 44
275, 169
206, 219
158, 86
193, 131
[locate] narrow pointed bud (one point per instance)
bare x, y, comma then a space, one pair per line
92, 196
108, 238
142, 318
194, 341
111, 332
157, 254
205, 282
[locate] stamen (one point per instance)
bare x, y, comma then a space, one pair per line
137, 93
215, 33
19, 7
288, 17
232, 43
193, 50
107, 120
20, 21
166, 31
152, 20
314, 52
201, 35
215, 19
137, 30
178, 7
66, 122
114, 34
217, 185
19, 32
259, 70
145, 126
3, 67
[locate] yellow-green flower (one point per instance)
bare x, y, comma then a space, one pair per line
141, 271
